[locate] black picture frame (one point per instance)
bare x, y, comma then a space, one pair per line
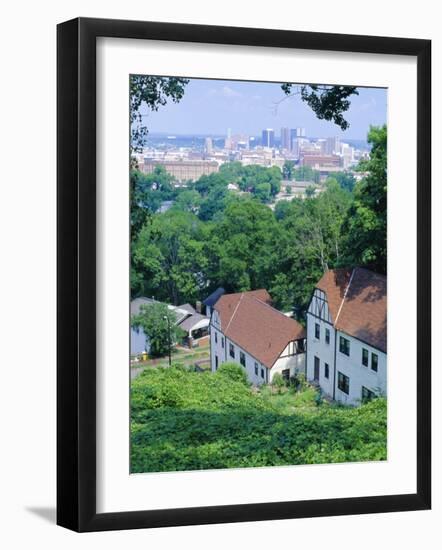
76, 273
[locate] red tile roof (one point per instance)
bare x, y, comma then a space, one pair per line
248, 319
357, 302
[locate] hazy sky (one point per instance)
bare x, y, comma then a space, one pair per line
212, 106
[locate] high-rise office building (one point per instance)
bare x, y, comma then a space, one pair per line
268, 137
228, 140
209, 145
300, 132
285, 138
333, 146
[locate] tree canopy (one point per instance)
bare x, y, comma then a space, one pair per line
151, 92
156, 319
327, 102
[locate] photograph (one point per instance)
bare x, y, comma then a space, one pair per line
258, 273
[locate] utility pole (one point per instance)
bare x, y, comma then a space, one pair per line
168, 339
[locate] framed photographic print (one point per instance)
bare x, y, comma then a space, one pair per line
243, 274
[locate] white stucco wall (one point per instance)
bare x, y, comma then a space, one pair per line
319, 348
350, 366
359, 374
296, 364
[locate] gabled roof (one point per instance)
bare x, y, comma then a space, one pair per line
214, 297
248, 319
357, 301
191, 322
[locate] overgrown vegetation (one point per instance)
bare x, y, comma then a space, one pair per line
185, 420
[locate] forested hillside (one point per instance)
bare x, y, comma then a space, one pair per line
215, 237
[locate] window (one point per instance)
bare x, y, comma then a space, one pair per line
374, 362
367, 394
256, 369
242, 358
285, 374
327, 336
300, 345
344, 345
317, 331
326, 370
216, 362
343, 383
262, 373
222, 341
365, 357
232, 350
216, 337
316, 368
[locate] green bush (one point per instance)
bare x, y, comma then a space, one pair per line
183, 420
233, 371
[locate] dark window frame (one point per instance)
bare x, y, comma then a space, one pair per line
327, 336
344, 346
369, 394
242, 358
374, 362
326, 370
317, 331
365, 357
232, 350
343, 383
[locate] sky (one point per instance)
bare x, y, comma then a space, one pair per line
210, 107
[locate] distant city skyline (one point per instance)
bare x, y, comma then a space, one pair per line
212, 107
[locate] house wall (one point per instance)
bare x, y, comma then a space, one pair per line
319, 348
318, 313
296, 364
350, 366
137, 341
358, 374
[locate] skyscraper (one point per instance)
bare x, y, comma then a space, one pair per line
300, 132
333, 146
285, 138
209, 145
268, 137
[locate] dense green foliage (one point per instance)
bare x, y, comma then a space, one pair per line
365, 227
158, 324
187, 421
214, 237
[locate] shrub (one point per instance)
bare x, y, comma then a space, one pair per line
234, 372
278, 381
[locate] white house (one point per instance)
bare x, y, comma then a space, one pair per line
246, 329
347, 335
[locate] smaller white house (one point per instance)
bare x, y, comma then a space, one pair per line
246, 329
347, 335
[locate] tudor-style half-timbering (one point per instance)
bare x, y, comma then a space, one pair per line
347, 335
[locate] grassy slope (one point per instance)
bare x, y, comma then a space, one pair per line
187, 421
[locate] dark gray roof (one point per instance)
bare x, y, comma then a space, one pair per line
187, 307
214, 297
137, 303
191, 321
